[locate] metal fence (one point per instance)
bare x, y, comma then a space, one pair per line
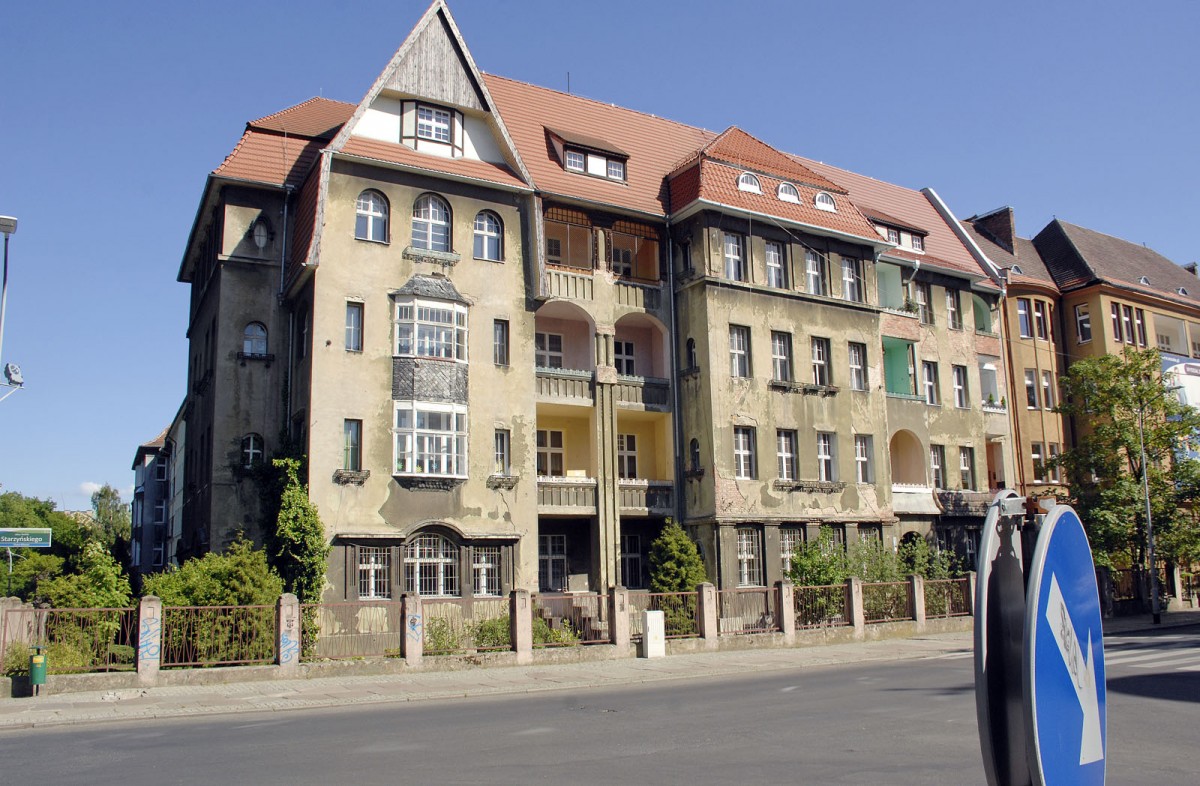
821, 606
947, 598
887, 601
354, 629
749, 610
76, 640
458, 625
567, 620
680, 613
218, 635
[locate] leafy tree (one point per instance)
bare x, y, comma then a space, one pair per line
820, 562
238, 577
100, 583
916, 556
113, 520
67, 539
299, 550
675, 563
1111, 396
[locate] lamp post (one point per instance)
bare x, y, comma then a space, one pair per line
8, 226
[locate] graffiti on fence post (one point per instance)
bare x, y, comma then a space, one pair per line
149, 639
413, 625
289, 648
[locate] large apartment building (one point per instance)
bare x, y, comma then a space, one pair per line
514, 330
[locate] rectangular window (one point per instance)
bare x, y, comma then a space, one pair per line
552, 563
816, 274
1055, 471
918, 243
1127, 324
550, 453
1116, 324
749, 558
924, 293
500, 342
431, 329
781, 356
1039, 319
739, 351
864, 470
858, 366
962, 398
893, 235
953, 309
354, 326
627, 456
1037, 455
776, 270
616, 170
502, 465
352, 455
160, 468
1083, 323
431, 439
785, 451
852, 280
1139, 319
623, 357
1024, 318
826, 457
735, 264
1031, 392
937, 466
485, 571
790, 541
1048, 390
374, 572
548, 350
631, 562
160, 512
433, 124
744, 463
966, 468
820, 362
929, 377
575, 161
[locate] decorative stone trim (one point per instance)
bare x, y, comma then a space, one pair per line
267, 358
502, 481
806, 388
445, 258
413, 483
351, 477
819, 486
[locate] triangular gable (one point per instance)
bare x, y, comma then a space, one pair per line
735, 146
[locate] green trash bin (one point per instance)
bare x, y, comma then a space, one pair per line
37, 668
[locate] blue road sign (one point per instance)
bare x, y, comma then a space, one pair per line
1064, 657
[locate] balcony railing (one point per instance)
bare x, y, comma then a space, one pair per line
655, 497
648, 392
566, 495
568, 284
557, 384
965, 503
638, 295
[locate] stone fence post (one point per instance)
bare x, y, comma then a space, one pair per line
287, 615
520, 620
412, 642
971, 579
708, 614
855, 606
149, 650
917, 593
785, 610
618, 618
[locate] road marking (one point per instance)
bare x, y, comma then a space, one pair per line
1082, 669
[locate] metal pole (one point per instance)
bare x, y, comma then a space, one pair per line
1154, 613
3, 297
9, 549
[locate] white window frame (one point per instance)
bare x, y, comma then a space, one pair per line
864, 464
431, 223
788, 193
254, 339
937, 466
1024, 317
826, 456
374, 573
930, 382
791, 539
822, 373
815, 269
1055, 473
735, 259
627, 456
433, 124
355, 314
616, 170
857, 356
548, 350
431, 566
1083, 323
748, 182
502, 452
739, 351
551, 453
422, 444
1031, 389
1040, 320
749, 556
852, 280
744, 459
1038, 461
918, 242
781, 356
966, 467
776, 269
252, 449
785, 454
488, 241
371, 217
923, 294
823, 201
485, 571
1048, 396
962, 396
574, 161
953, 309
429, 328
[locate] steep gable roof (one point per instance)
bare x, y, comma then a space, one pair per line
1025, 257
735, 146
280, 149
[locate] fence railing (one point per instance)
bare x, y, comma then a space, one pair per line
354, 629
749, 610
76, 640
458, 625
567, 620
887, 601
821, 606
218, 635
947, 598
680, 613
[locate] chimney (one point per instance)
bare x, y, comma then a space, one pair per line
1000, 227
1191, 268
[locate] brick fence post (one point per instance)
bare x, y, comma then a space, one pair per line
708, 613
520, 619
917, 592
287, 616
785, 610
854, 606
149, 651
412, 643
618, 618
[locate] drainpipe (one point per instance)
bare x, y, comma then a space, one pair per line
283, 257
673, 336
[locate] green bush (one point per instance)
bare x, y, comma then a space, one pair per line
675, 563
239, 577
544, 635
440, 637
494, 633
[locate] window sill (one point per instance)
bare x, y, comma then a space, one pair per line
415, 254
352, 477
820, 486
502, 481
428, 482
370, 240
266, 358
806, 388
485, 259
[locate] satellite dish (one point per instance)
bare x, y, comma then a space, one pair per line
12, 372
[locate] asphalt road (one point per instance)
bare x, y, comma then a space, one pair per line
905, 722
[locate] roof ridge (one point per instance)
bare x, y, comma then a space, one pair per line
274, 115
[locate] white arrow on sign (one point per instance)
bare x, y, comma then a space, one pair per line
1083, 672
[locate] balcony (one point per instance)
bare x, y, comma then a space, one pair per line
647, 296
646, 497
569, 284
646, 392
965, 503
565, 385
566, 496
915, 499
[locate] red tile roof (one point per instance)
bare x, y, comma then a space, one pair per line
396, 153
280, 148
316, 117
734, 146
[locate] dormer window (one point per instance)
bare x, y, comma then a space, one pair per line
596, 164
1182, 291
893, 235
575, 161
433, 124
1144, 280
918, 243
436, 130
616, 170
748, 182
1017, 270
788, 193
825, 202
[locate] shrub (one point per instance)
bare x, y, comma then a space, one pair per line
494, 633
440, 637
544, 635
675, 563
239, 577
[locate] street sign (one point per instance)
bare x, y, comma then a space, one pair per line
1063, 666
999, 631
25, 538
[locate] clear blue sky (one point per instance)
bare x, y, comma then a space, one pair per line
112, 114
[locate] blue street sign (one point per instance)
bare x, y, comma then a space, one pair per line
1064, 658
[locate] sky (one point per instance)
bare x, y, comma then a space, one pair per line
113, 114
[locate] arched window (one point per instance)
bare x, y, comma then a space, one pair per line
788, 193
825, 202
254, 339
694, 454
431, 223
488, 232
748, 182
431, 566
691, 353
252, 450
371, 217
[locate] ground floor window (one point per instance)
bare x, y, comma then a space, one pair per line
374, 572
749, 556
485, 569
790, 540
631, 561
552, 563
431, 567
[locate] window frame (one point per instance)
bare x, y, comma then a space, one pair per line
745, 460
1048, 397
623, 357
1083, 323
966, 467
782, 368
962, 393
739, 352
931, 383
1031, 389
776, 265
429, 337
826, 457
853, 283
488, 240
371, 217
502, 452
446, 449
486, 571
253, 449
937, 466
734, 254
859, 373
374, 568
355, 315
552, 562
816, 273
550, 456
1041, 320
786, 462
864, 464
821, 366
352, 452
787, 192
432, 550
256, 345
627, 456
437, 119
1024, 317
748, 181
953, 309
749, 557
432, 224
923, 294
543, 349
500, 343
825, 201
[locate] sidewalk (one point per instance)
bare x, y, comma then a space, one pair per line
280, 695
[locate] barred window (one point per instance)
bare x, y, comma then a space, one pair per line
431, 567
749, 557
485, 568
374, 572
